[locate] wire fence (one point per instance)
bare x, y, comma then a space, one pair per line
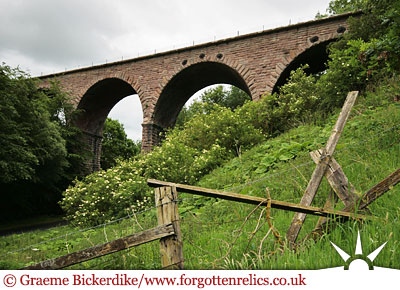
133, 217
129, 216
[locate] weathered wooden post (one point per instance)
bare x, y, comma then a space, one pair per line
320, 169
167, 211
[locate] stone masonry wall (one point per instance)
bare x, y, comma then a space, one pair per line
259, 58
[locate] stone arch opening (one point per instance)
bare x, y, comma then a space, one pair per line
189, 81
316, 57
94, 107
181, 87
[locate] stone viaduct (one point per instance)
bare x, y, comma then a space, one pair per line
257, 63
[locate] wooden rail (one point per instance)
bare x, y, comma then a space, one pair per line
105, 249
254, 200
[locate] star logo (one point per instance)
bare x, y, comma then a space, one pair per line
359, 260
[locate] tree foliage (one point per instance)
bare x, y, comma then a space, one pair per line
116, 144
364, 56
343, 6
29, 138
36, 162
231, 99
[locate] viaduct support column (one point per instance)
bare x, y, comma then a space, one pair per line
152, 134
93, 142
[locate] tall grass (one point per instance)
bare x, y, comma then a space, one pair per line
215, 234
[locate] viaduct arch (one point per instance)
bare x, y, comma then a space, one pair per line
257, 63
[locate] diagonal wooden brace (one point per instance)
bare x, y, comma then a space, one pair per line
366, 199
338, 182
321, 167
337, 179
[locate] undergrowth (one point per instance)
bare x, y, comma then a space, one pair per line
215, 233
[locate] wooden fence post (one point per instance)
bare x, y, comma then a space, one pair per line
321, 168
171, 248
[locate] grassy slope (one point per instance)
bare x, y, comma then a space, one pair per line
366, 152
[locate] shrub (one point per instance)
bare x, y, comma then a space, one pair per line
365, 55
184, 156
232, 98
106, 195
297, 101
228, 129
176, 162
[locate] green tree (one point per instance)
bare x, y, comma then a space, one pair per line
116, 144
366, 55
28, 136
344, 6
35, 137
231, 99
187, 113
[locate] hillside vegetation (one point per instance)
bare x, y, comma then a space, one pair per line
368, 151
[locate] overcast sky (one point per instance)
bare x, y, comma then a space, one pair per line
46, 36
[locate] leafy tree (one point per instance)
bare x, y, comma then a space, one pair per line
116, 144
231, 99
344, 6
35, 138
29, 138
187, 113
364, 56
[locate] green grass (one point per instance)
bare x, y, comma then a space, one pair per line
32, 247
368, 151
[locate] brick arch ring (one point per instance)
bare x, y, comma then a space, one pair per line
284, 61
242, 70
121, 76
